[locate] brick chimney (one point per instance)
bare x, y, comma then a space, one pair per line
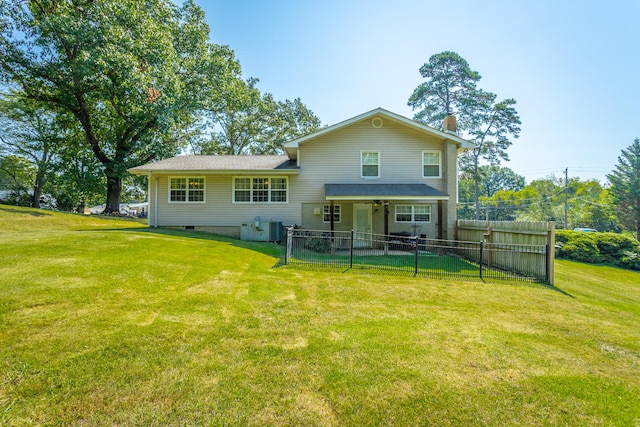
449, 125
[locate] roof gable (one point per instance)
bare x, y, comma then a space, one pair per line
293, 145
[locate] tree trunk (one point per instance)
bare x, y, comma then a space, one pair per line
37, 190
114, 190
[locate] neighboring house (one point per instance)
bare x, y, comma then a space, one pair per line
376, 173
128, 209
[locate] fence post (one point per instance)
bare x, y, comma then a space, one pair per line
288, 246
551, 254
547, 270
351, 250
481, 247
415, 272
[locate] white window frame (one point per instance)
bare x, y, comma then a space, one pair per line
188, 190
413, 214
362, 164
337, 212
252, 190
439, 153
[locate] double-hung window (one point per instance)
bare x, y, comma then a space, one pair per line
260, 190
413, 213
326, 213
431, 164
370, 164
186, 189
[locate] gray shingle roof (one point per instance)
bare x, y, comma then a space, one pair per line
218, 163
383, 191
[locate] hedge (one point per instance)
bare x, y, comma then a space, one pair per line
595, 248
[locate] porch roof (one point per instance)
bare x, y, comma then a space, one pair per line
383, 192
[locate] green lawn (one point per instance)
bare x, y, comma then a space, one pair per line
399, 263
107, 322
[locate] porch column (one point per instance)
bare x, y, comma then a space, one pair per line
440, 219
331, 207
385, 206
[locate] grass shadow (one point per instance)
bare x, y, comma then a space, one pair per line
553, 288
30, 212
533, 284
265, 248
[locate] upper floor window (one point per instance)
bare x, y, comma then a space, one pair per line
260, 190
431, 164
186, 190
370, 164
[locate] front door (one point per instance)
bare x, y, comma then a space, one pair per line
362, 224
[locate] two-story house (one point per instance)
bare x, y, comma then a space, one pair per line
377, 173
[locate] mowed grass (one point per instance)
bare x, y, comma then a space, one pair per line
107, 322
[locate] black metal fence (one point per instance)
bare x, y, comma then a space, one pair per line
417, 256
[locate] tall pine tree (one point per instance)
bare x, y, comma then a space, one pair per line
625, 187
451, 87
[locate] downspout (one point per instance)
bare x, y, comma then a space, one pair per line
155, 203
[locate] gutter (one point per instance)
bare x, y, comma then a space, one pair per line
155, 203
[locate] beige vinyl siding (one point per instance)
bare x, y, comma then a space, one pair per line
314, 221
219, 209
332, 158
335, 158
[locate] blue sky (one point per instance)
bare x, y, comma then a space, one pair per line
572, 66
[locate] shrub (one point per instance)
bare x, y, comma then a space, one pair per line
320, 245
609, 248
613, 246
582, 249
16, 198
563, 236
630, 260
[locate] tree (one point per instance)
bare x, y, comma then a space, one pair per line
625, 187
603, 213
131, 73
496, 178
248, 122
492, 179
237, 118
286, 121
33, 133
16, 175
77, 177
542, 200
451, 87
493, 124
589, 203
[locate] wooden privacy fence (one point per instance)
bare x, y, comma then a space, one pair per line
512, 233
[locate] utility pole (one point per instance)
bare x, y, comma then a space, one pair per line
566, 197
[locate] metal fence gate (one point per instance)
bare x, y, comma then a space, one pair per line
417, 256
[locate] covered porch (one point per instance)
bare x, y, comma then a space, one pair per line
386, 209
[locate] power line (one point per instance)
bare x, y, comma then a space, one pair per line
538, 199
